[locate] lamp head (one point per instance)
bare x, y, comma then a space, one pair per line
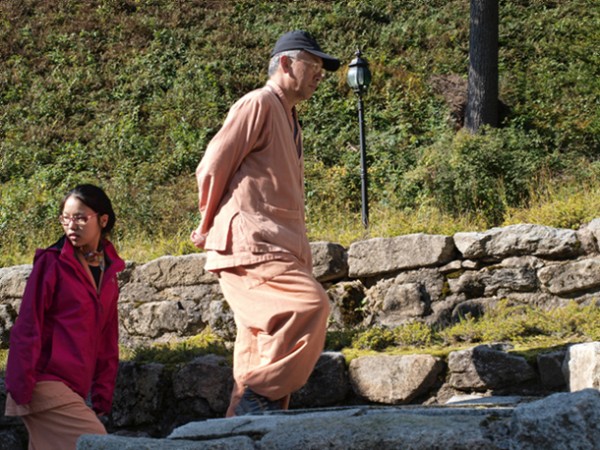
359, 75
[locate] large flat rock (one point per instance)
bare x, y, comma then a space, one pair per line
564, 420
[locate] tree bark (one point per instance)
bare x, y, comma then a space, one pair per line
482, 101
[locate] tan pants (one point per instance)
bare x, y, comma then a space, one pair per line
56, 417
281, 316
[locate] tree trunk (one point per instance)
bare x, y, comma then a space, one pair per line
482, 102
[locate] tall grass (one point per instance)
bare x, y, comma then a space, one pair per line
127, 95
563, 203
568, 205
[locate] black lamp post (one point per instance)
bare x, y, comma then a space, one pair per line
359, 78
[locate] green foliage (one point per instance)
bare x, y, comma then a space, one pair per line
414, 334
3, 360
546, 95
376, 338
525, 326
570, 204
128, 94
486, 173
338, 340
174, 353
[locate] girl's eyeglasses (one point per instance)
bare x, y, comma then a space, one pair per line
78, 220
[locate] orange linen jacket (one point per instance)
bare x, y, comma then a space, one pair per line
251, 185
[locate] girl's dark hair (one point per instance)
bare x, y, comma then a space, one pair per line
95, 198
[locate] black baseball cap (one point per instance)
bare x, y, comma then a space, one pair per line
302, 40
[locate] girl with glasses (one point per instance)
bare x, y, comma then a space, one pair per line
64, 344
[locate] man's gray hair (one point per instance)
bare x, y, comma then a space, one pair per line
274, 62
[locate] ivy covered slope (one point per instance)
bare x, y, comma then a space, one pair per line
127, 94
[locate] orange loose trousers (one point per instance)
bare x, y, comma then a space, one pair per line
56, 417
281, 314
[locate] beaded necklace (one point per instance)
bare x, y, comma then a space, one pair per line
95, 258
94, 264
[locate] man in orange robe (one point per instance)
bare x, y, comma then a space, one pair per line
251, 198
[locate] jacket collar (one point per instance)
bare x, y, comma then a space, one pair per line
276, 89
290, 111
67, 252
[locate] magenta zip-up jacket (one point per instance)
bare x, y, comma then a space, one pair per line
66, 331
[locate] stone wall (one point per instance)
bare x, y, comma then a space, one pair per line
380, 281
154, 401
430, 278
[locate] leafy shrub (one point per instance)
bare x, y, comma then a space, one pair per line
484, 173
3, 360
414, 334
338, 340
569, 204
179, 352
520, 324
525, 324
376, 338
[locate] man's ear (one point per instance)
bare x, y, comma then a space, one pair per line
286, 63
